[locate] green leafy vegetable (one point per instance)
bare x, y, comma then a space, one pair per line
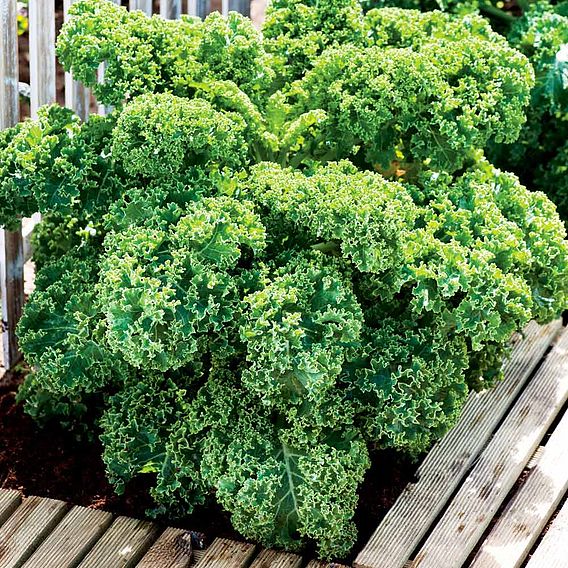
281, 250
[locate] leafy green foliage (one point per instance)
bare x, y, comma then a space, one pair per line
539, 30
415, 95
148, 55
278, 251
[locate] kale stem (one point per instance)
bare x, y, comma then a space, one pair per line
497, 13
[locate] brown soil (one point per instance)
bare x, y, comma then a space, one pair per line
50, 462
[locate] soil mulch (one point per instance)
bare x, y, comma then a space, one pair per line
52, 463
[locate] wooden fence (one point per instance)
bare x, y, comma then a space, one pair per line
13, 247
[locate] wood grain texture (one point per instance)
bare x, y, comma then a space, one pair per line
410, 518
22, 533
71, 540
170, 9
164, 553
9, 501
11, 293
552, 551
122, 545
77, 96
9, 97
11, 247
499, 466
42, 54
528, 512
224, 553
198, 7
143, 5
276, 559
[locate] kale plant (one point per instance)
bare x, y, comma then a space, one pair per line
539, 29
280, 251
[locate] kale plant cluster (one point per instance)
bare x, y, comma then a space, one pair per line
280, 251
539, 29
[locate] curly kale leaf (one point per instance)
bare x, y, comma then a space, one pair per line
61, 331
298, 31
429, 100
282, 489
167, 292
402, 356
153, 55
136, 429
161, 135
297, 329
58, 164
336, 208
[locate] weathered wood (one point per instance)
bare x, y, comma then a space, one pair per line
144, 5
552, 551
42, 53
528, 512
77, 96
409, 519
199, 8
276, 559
225, 553
164, 553
21, 534
170, 9
9, 107
11, 258
9, 501
122, 545
71, 540
499, 466
11, 292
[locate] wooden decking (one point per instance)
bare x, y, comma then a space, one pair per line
491, 494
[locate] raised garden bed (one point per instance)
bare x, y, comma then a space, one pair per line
485, 496
271, 259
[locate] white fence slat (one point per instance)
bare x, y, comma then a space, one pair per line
42, 53
170, 9
198, 7
144, 5
11, 247
77, 96
224, 7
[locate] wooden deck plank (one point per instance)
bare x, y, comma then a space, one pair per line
552, 551
71, 540
122, 545
528, 512
409, 519
9, 501
224, 553
164, 553
451, 541
27, 528
276, 559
